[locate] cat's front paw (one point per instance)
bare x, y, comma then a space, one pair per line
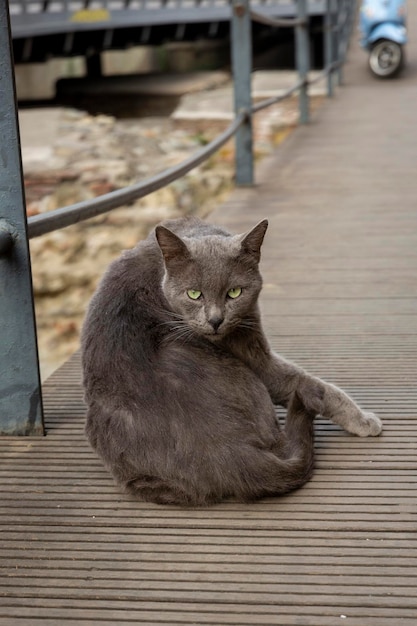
367, 425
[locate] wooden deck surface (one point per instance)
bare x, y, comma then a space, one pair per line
340, 298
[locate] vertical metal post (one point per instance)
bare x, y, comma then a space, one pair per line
242, 65
352, 15
303, 58
343, 37
338, 31
328, 46
20, 392
348, 19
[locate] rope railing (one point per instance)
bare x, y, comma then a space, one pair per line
264, 104
61, 218
21, 409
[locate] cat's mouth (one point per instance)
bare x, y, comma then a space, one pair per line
214, 335
208, 332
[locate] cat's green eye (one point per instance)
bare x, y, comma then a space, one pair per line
194, 294
234, 293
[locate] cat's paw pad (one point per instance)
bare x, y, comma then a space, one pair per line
368, 426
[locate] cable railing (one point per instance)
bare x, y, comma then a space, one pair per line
67, 216
20, 391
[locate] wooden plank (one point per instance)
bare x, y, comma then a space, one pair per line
288, 539
329, 606
172, 612
66, 581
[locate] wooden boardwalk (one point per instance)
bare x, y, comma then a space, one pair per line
340, 298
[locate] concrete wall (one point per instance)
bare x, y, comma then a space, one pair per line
36, 81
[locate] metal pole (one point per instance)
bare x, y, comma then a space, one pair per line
349, 13
303, 59
242, 65
339, 8
343, 42
328, 46
20, 391
352, 15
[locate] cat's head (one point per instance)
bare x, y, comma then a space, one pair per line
212, 281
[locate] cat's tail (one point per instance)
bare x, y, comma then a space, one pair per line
289, 465
163, 491
250, 472
299, 434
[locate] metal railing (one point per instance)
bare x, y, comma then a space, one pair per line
43, 29
20, 391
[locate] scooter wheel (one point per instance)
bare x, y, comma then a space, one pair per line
386, 58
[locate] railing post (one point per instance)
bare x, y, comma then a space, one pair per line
338, 32
20, 392
303, 58
349, 10
328, 46
242, 65
352, 15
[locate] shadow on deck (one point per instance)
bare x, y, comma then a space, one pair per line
340, 269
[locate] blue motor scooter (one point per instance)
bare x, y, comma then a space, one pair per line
383, 28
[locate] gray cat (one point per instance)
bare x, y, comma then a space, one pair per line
180, 380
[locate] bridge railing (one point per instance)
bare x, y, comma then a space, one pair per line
21, 407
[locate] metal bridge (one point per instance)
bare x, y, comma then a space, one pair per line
60, 28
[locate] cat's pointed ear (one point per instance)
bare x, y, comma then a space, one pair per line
252, 241
172, 247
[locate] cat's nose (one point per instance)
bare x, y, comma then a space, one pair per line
215, 322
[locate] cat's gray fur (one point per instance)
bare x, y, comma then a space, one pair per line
181, 392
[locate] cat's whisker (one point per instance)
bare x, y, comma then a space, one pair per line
180, 339
179, 331
174, 322
248, 325
177, 316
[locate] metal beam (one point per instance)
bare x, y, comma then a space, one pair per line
328, 46
302, 47
20, 392
242, 66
